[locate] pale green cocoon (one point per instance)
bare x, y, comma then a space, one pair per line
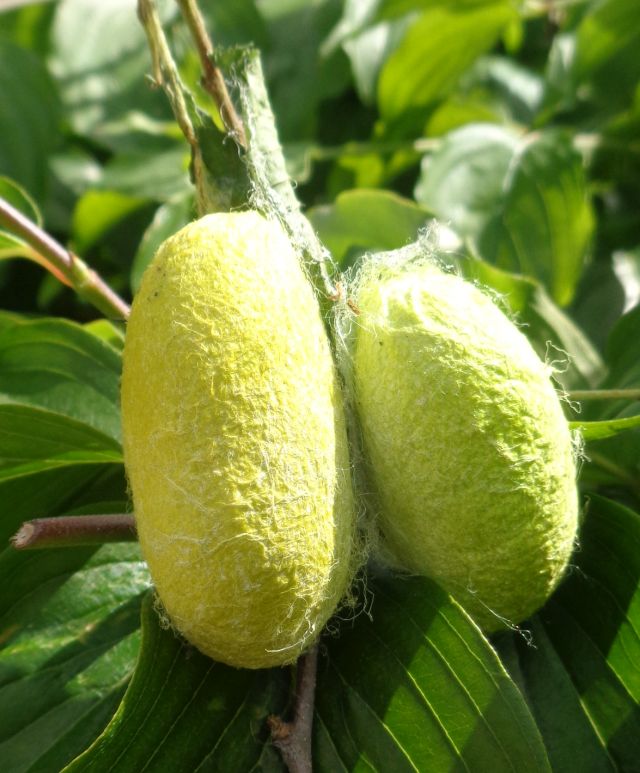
469, 453
234, 442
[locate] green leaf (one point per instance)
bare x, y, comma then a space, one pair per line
101, 65
417, 687
99, 211
522, 201
157, 176
71, 638
593, 624
59, 366
621, 352
367, 220
554, 336
606, 51
597, 430
184, 712
368, 47
168, 219
29, 114
236, 21
32, 439
301, 72
68, 621
571, 740
392, 8
18, 197
107, 331
436, 50
11, 245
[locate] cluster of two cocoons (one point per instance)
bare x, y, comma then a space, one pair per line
237, 455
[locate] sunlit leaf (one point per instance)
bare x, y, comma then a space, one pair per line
417, 687
184, 712
444, 41
521, 200
367, 220
58, 366
598, 430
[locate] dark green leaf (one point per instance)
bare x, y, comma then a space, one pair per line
32, 439
236, 21
571, 740
622, 354
68, 622
29, 115
521, 201
607, 42
59, 366
300, 72
184, 712
419, 688
592, 623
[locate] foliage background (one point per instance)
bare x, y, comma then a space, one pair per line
515, 123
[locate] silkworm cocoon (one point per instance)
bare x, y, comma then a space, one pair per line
469, 453
235, 444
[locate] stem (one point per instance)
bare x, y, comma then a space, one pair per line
604, 394
165, 72
62, 263
212, 78
293, 739
73, 531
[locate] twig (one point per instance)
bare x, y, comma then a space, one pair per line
73, 531
62, 263
293, 739
212, 78
165, 72
604, 394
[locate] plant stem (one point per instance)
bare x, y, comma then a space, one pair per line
212, 78
604, 394
62, 263
165, 72
293, 739
74, 530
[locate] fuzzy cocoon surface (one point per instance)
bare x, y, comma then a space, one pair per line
469, 453
235, 443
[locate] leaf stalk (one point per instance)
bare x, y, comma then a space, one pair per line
62, 263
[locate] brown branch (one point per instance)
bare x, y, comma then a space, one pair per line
73, 531
293, 739
62, 263
212, 78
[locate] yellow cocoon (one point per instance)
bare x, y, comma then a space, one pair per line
235, 444
468, 450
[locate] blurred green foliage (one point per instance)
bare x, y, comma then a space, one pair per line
516, 123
